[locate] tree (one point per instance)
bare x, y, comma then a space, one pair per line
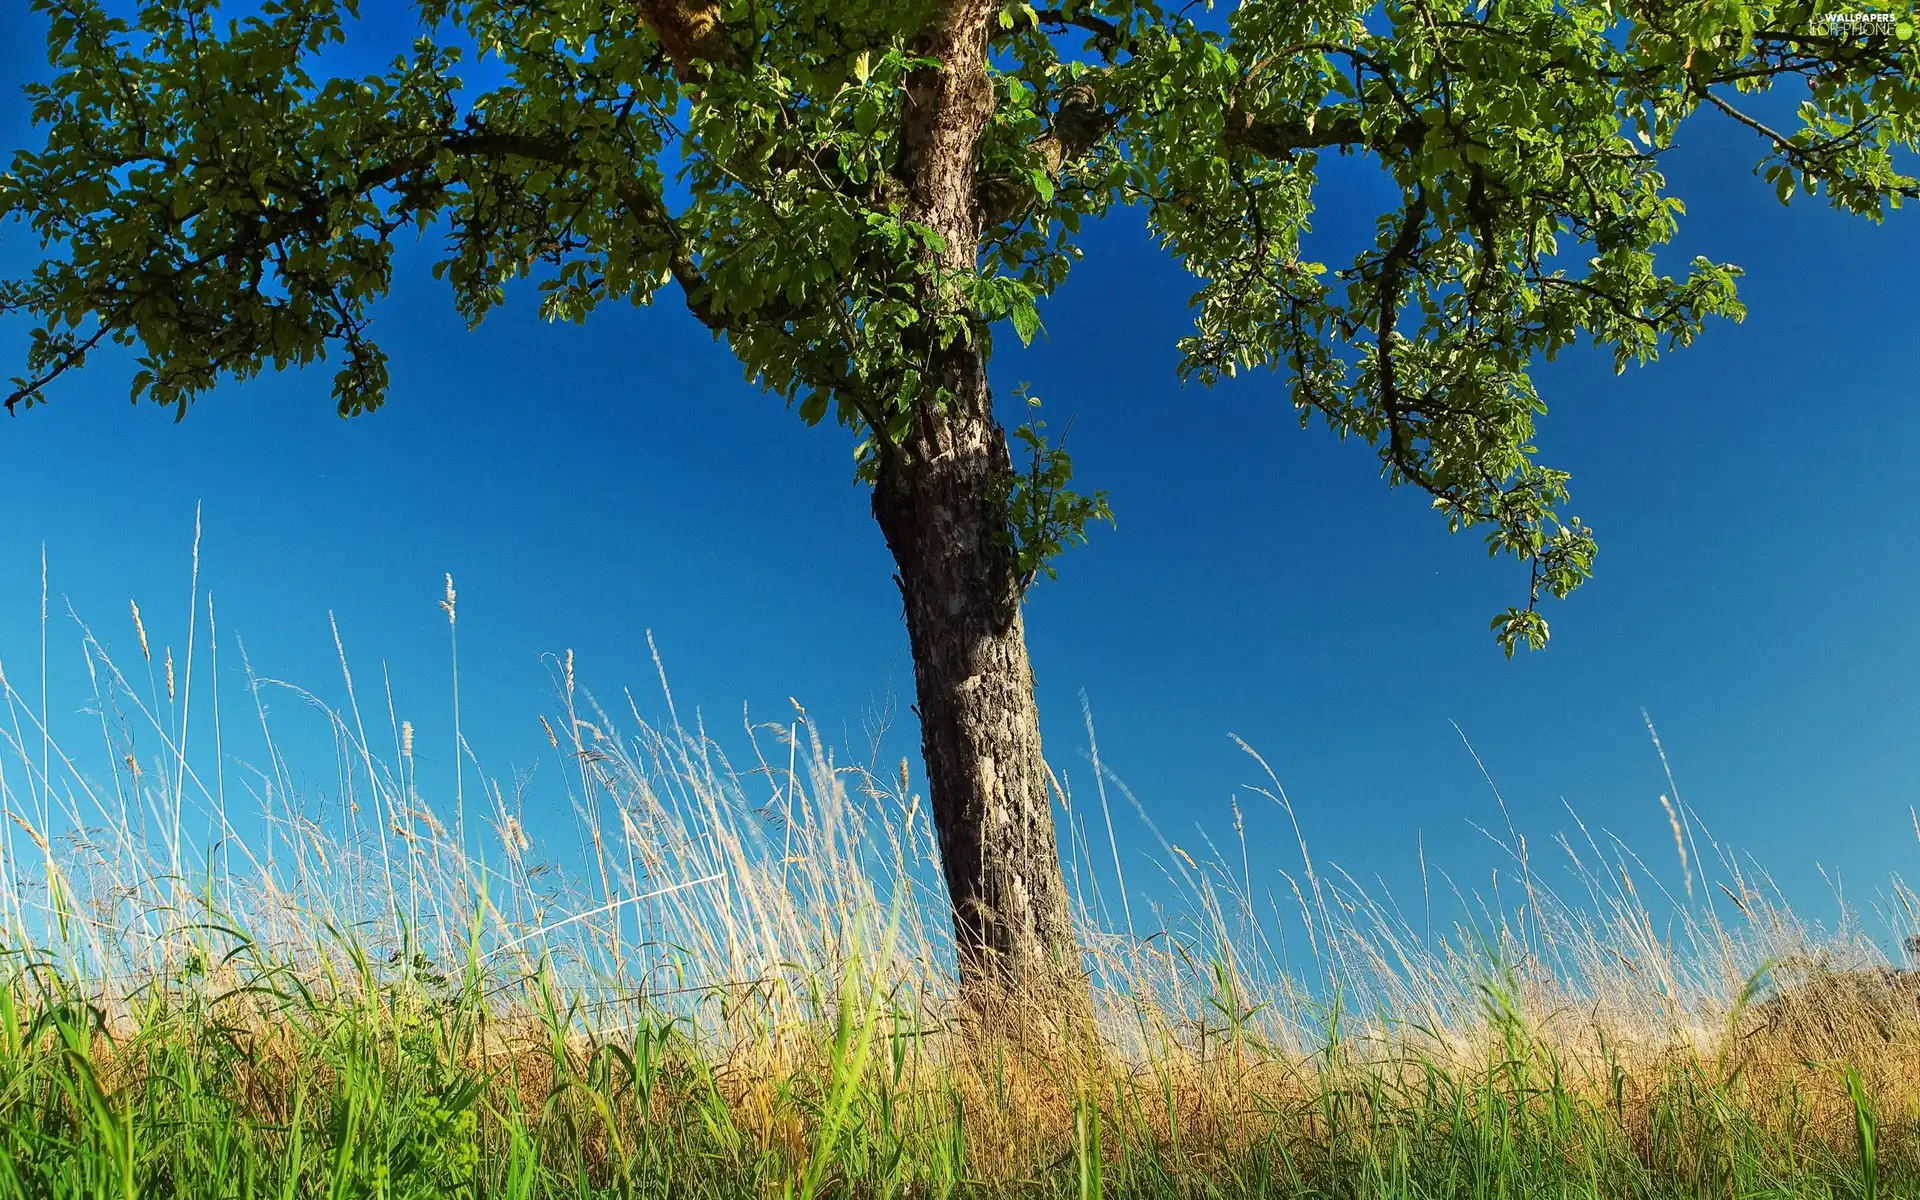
858, 198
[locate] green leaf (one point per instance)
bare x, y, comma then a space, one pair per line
1026, 320
201, 190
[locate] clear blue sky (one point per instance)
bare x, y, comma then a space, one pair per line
1756, 589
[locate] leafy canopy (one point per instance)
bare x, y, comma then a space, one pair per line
209, 194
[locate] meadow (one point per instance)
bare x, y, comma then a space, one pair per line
220, 981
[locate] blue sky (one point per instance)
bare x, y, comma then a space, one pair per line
1756, 589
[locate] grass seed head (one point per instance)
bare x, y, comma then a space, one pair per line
1679, 842
1632, 1022
514, 836
32, 833
141, 629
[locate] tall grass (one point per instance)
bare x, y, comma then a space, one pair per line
740, 986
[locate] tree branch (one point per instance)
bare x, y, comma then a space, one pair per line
1282, 139
1780, 142
71, 358
1108, 37
1805, 158
646, 208
1393, 267
691, 32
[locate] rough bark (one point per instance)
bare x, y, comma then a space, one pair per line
980, 728
691, 32
935, 500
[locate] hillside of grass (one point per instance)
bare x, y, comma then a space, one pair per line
217, 982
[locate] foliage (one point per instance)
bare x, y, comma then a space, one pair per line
1044, 515
208, 193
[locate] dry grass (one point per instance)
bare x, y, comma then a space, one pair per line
740, 984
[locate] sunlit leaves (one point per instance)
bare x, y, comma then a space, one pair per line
1521, 140
211, 197
1045, 514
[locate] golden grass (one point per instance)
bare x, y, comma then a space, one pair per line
772, 928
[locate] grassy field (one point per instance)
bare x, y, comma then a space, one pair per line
219, 984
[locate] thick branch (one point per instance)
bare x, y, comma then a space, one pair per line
947, 107
1324, 129
1079, 123
1393, 268
1108, 37
691, 33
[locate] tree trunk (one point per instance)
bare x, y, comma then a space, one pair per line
980, 728
935, 501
